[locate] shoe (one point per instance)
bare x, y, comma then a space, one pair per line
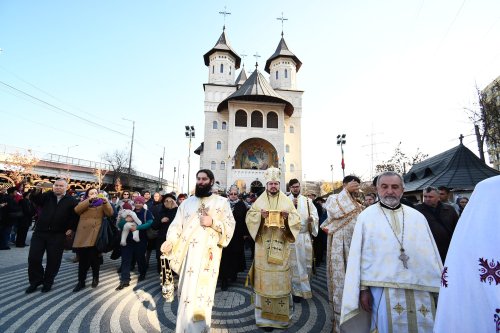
32, 288
142, 277
75, 259
119, 270
297, 299
268, 329
79, 286
5, 248
95, 283
122, 285
46, 288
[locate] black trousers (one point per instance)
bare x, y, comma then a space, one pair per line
22, 232
88, 257
53, 244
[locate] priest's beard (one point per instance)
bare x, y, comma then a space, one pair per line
390, 200
202, 191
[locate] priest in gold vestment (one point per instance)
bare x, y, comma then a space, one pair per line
394, 267
274, 223
203, 225
342, 209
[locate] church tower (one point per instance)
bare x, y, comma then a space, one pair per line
222, 62
251, 123
283, 66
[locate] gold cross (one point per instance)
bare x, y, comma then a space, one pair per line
398, 308
423, 310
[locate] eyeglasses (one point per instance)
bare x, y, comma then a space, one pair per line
124, 194
295, 186
233, 193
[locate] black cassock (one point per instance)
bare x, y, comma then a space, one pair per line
233, 256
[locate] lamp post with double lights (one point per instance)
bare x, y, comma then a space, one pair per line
189, 134
341, 143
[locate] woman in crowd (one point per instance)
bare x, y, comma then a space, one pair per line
154, 207
164, 215
462, 203
133, 248
91, 210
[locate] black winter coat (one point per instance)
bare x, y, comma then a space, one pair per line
55, 216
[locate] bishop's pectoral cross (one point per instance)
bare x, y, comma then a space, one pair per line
404, 258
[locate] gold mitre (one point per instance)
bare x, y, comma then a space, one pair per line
272, 175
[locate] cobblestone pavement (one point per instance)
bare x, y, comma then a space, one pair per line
139, 308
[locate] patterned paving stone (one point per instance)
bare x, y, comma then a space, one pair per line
139, 308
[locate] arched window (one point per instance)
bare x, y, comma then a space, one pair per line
292, 167
292, 129
214, 124
276, 75
287, 148
223, 165
224, 125
219, 145
286, 73
222, 68
257, 119
213, 165
240, 119
272, 120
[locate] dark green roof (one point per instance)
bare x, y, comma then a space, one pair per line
257, 89
456, 168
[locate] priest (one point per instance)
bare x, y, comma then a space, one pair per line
202, 226
343, 210
301, 255
273, 222
393, 270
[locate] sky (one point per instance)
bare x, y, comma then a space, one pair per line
381, 72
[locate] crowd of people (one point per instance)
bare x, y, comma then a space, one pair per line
384, 255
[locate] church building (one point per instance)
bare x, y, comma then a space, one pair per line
251, 123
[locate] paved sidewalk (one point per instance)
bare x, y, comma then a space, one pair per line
139, 308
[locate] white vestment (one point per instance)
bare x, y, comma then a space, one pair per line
402, 299
196, 257
469, 298
301, 252
342, 211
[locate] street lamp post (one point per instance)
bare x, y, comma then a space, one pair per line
159, 174
341, 143
173, 180
189, 134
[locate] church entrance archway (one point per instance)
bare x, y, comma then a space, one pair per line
255, 153
256, 187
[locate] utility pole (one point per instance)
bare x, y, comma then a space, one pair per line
162, 170
131, 147
173, 181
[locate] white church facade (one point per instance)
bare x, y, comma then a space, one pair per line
251, 123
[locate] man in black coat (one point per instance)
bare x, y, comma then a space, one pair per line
56, 221
442, 219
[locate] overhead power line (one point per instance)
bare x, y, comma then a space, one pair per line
62, 110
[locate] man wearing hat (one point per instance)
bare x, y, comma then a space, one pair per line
274, 223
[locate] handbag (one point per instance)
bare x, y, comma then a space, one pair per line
150, 232
107, 237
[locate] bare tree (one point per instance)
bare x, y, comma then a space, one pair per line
400, 162
21, 166
486, 118
118, 160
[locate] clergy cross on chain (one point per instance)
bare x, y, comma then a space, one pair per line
404, 258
